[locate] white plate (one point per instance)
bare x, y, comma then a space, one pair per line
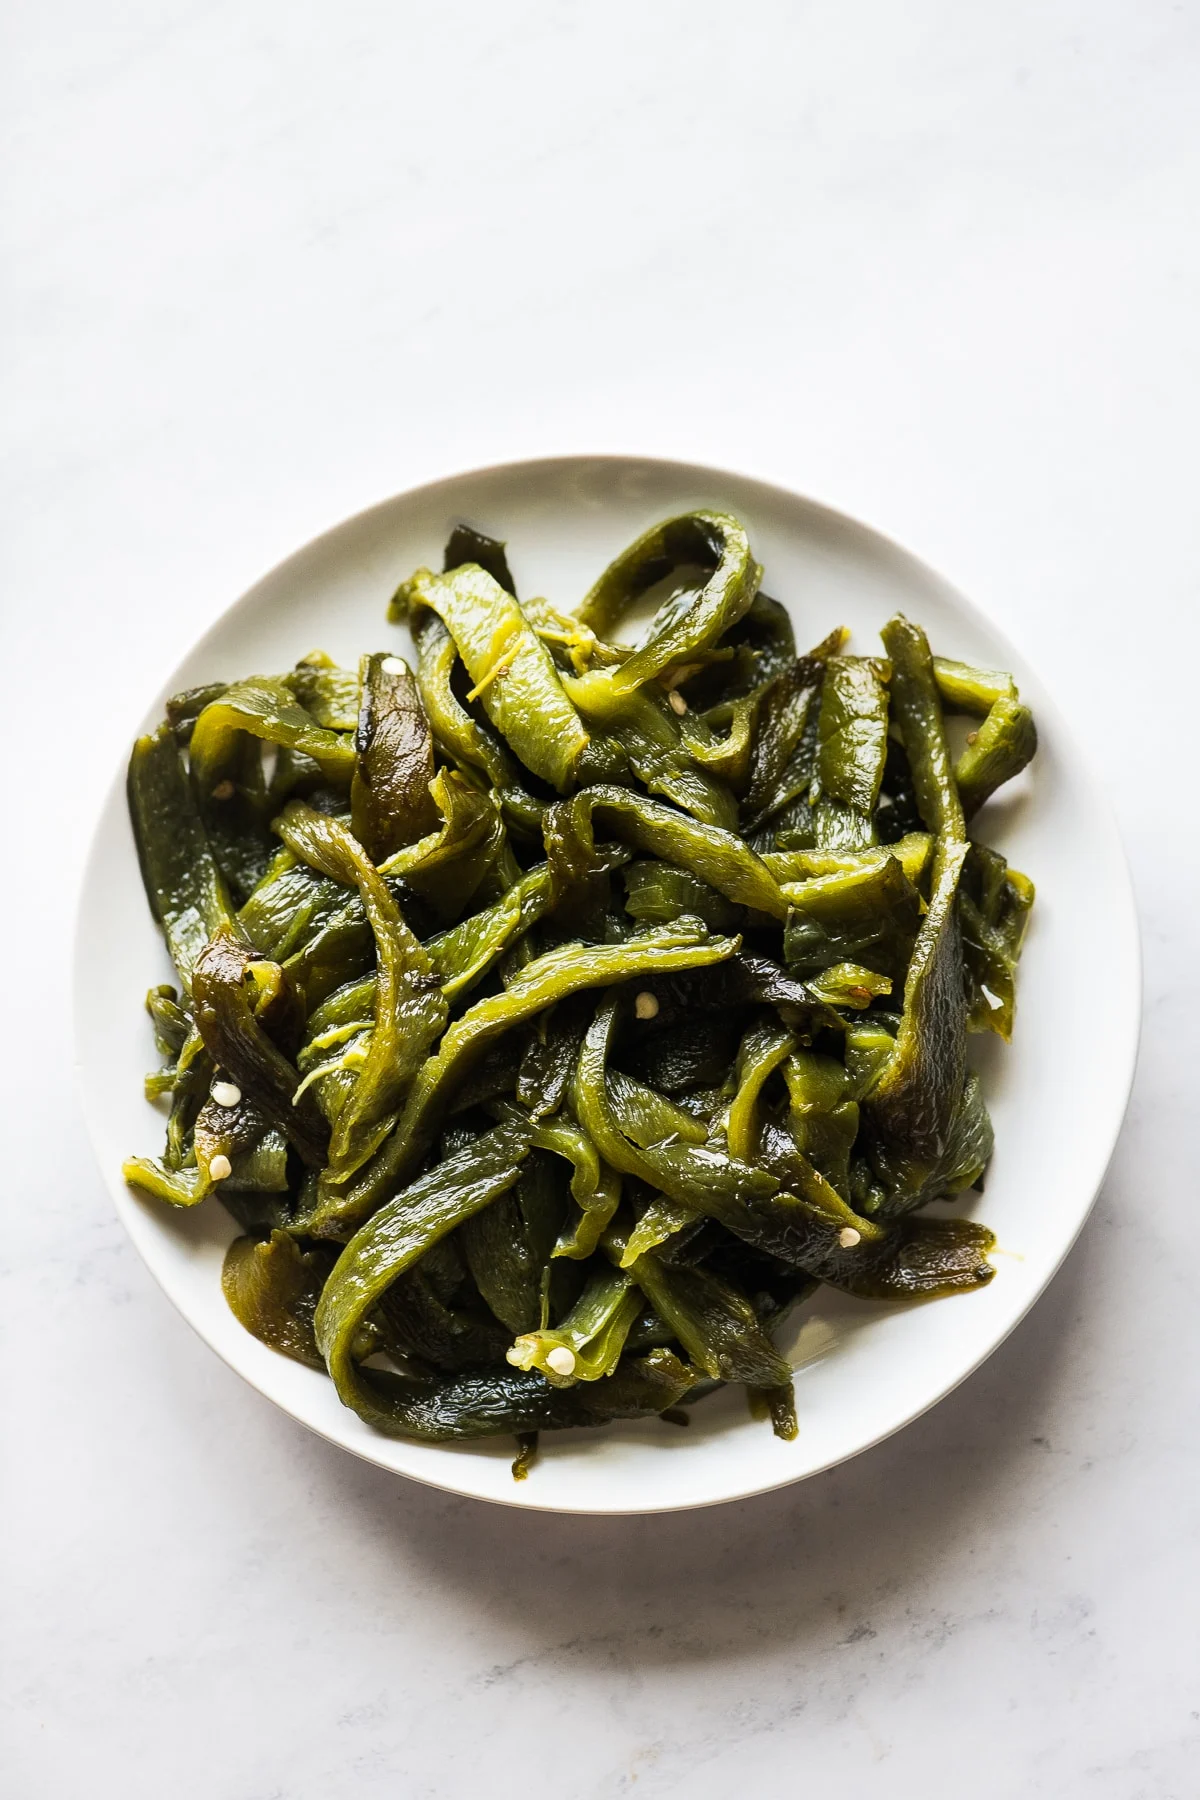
1057, 1096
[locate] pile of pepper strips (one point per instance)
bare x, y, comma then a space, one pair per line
555, 1016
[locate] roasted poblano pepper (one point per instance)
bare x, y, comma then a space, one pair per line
555, 1016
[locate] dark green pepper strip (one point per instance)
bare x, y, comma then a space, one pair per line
715, 1324
911, 1108
256, 1151
513, 672
968, 690
266, 709
592, 1336
763, 1049
459, 1408
329, 693
395, 1240
649, 734
186, 893
272, 1287
460, 737
822, 1115
918, 711
410, 1010
656, 893
994, 903
288, 907
466, 545
550, 978
697, 1175
714, 856
783, 758
1000, 749
689, 621
238, 1044
390, 801
869, 914
503, 1264
595, 1188
852, 733
183, 709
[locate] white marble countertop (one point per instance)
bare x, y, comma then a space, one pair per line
936, 264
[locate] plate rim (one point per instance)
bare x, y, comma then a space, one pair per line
1129, 969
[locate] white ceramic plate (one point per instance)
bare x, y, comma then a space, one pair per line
1057, 1096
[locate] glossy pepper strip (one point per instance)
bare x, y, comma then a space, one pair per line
688, 621
1000, 749
549, 978
183, 885
460, 737
410, 1009
587, 1345
390, 802
917, 708
396, 1238
715, 1324
237, 1043
912, 1105
513, 672
714, 856
266, 709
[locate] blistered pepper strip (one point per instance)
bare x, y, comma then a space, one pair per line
549, 978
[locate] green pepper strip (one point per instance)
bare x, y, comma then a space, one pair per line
410, 1011
549, 978
390, 802
918, 711
724, 861
1004, 743
716, 1325
968, 690
688, 621
762, 1050
595, 1188
183, 886
912, 1105
266, 709
852, 733
593, 1332
458, 735
272, 1288
514, 674
237, 1043
396, 1238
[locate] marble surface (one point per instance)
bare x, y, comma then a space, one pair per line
262, 265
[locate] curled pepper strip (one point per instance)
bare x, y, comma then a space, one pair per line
688, 621
549, 978
717, 857
266, 709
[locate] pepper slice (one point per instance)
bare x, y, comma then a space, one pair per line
390, 801
185, 890
513, 672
